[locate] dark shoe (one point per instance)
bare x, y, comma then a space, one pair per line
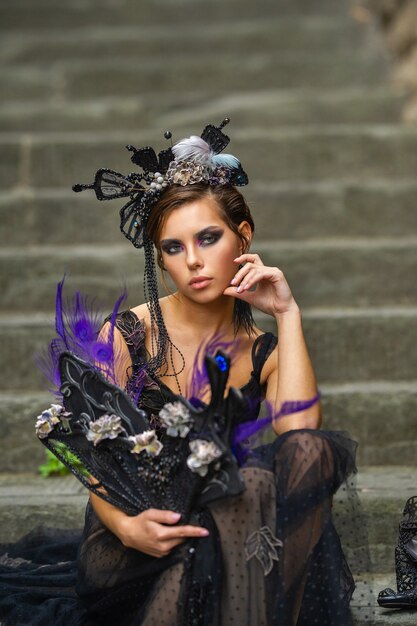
389, 599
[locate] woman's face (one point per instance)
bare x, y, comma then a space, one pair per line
198, 249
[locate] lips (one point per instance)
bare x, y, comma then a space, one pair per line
199, 282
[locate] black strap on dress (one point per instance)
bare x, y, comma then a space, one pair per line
261, 350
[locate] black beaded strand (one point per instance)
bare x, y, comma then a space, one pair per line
161, 345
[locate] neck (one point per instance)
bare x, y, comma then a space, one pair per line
209, 318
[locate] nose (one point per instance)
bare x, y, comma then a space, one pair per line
194, 259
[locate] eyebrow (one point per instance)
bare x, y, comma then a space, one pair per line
204, 231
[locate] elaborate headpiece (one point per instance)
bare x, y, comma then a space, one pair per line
189, 161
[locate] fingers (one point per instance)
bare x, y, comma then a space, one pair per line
248, 280
182, 532
249, 275
248, 262
169, 538
241, 274
162, 517
249, 257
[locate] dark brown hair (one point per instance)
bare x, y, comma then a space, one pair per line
233, 210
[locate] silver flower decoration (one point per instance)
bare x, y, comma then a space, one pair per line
108, 426
48, 419
148, 441
177, 419
186, 173
263, 544
203, 453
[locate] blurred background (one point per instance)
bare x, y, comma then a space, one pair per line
323, 106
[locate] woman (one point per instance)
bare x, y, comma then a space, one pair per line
270, 555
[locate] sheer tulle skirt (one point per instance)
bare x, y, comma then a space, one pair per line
273, 556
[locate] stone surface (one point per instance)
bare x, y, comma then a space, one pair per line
142, 42
48, 16
401, 33
277, 107
309, 153
405, 73
399, 21
28, 501
298, 212
13, 157
380, 416
325, 272
346, 345
21, 449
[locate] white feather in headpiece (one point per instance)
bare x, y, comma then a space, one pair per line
194, 149
197, 150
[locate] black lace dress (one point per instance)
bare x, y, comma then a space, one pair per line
273, 556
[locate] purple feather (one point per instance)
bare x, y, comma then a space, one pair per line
78, 326
246, 435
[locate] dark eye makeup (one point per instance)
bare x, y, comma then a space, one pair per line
206, 237
209, 237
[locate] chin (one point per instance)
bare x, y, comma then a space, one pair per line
205, 296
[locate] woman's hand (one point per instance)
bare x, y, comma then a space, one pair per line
153, 533
270, 290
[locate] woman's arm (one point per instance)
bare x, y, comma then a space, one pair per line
292, 376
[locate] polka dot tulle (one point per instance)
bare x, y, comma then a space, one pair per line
280, 554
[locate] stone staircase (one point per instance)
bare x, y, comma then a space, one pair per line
315, 123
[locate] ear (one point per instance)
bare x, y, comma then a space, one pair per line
246, 231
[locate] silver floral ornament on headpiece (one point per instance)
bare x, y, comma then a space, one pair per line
190, 161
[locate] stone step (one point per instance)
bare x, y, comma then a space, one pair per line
366, 593
49, 16
381, 416
381, 617
27, 500
322, 272
346, 344
278, 107
141, 42
205, 74
301, 211
306, 153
